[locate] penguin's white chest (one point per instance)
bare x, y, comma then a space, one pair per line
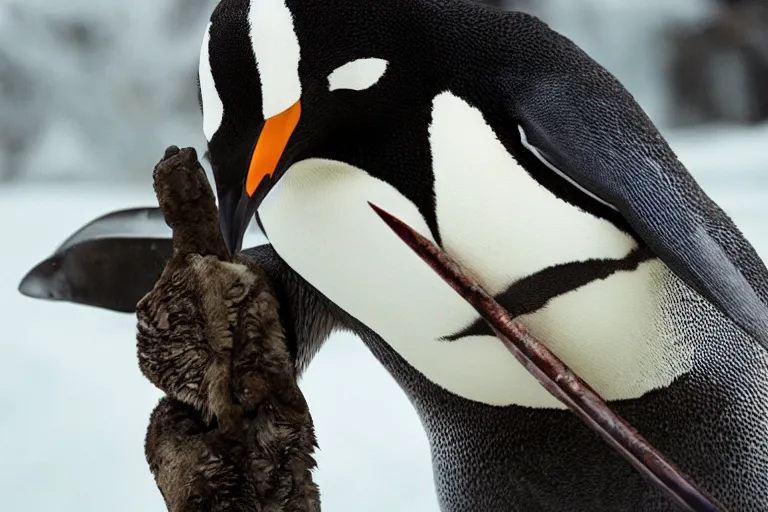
503, 226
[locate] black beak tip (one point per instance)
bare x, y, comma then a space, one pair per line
236, 210
235, 222
231, 218
231, 239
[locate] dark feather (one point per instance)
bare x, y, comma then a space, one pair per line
590, 128
144, 222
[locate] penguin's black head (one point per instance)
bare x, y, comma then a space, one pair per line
285, 80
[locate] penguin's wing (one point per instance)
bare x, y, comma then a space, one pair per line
583, 125
147, 222
106, 272
110, 263
114, 273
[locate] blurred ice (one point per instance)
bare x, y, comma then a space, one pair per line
97, 89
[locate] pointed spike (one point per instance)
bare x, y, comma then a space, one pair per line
556, 377
393, 222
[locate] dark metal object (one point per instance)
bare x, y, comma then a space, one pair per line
557, 378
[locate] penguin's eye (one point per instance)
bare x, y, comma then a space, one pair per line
357, 75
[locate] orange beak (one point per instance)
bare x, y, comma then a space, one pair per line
237, 206
271, 145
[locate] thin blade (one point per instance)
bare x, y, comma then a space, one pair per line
557, 378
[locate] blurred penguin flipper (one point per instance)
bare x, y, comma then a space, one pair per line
110, 263
146, 222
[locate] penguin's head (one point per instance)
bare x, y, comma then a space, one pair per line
281, 80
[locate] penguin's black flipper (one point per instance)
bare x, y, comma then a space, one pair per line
587, 127
111, 262
109, 273
145, 222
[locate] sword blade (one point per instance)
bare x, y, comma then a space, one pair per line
557, 378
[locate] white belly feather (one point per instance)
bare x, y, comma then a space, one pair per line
502, 225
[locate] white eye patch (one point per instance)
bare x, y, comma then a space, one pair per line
357, 75
276, 49
213, 109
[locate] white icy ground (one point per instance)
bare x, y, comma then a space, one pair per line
74, 407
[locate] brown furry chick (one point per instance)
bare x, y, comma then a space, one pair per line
234, 432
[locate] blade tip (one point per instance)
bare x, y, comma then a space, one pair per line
387, 217
376, 208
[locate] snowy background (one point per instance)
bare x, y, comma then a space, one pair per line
90, 94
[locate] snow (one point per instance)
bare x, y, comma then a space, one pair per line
75, 406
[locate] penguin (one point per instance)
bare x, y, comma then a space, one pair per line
508, 146
504, 143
